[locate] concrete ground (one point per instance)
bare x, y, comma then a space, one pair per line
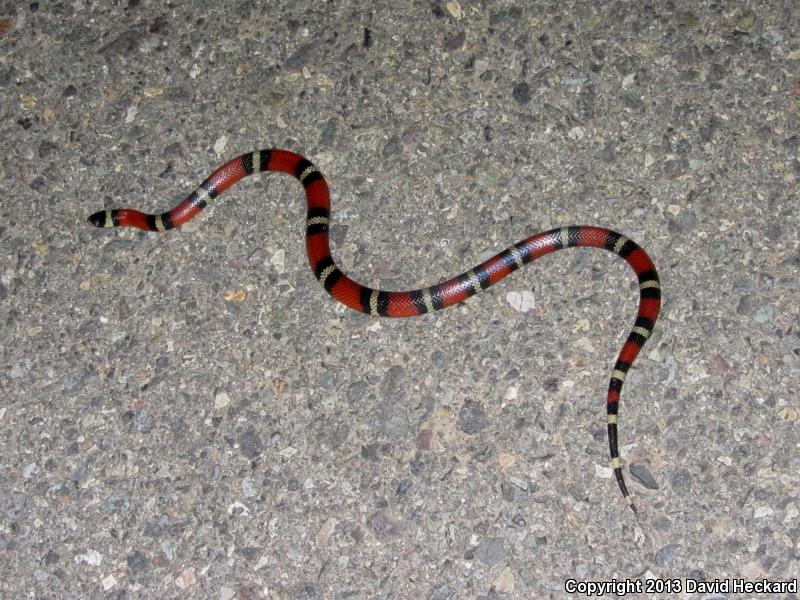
190, 415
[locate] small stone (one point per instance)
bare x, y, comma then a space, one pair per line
707, 131
443, 592
47, 148
326, 531
628, 80
90, 557
725, 460
248, 487
393, 147
665, 555
403, 487
307, 591
744, 286
643, 476
745, 305
607, 154
288, 452
505, 461
688, 220
490, 551
238, 509
550, 384
221, 400
575, 81
764, 313
226, 593
384, 526
278, 260
763, 511
168, 550
108, 582
424, 438
505, 581
300, 57
681, 480
521, 92
186, 578
752, 571
688, 19
520, 483
249, 552
355, 392
472, 417
576, 133
237, 295
397, 425
745, 22
772, 37
456, 42
454, 8
138, 564
250, 443
117, 502
603, 471
521, 301
20, 369
393, 383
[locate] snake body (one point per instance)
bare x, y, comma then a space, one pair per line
417, 302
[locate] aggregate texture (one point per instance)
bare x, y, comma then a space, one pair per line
190, 415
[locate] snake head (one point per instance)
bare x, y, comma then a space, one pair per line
101, 218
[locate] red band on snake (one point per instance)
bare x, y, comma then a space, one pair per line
416, 302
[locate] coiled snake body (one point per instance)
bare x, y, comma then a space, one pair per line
416, 302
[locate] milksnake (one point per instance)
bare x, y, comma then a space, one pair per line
417, 302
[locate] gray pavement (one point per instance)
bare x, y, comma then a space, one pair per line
190, 415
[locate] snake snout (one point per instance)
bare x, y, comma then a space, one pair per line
98, 219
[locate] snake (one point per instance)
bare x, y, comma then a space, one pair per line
411, 303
